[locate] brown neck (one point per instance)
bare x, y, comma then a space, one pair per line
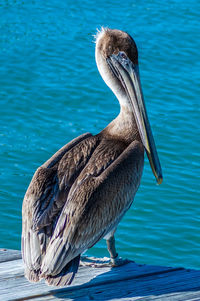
123, 127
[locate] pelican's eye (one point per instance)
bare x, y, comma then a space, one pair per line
123, 55
123, 58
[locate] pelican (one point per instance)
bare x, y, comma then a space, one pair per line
82, 192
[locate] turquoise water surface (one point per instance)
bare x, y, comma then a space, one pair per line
51, 92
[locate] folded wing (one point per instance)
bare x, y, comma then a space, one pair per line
82, 207
45, 198
93, 209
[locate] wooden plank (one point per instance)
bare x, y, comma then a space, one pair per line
8, 255
129, 282
177, 285
13, 284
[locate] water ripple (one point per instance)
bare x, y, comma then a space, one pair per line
51, 92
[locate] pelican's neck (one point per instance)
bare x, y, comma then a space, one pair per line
123, 127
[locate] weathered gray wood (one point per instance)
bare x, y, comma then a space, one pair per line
8, 255
169, 286
129, 282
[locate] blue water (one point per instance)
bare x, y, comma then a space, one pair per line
51, 92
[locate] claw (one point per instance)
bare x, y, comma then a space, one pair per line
118, 261
103, 262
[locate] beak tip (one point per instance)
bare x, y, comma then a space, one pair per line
159, 180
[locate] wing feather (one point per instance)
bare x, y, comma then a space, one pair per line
94, 208
45, 198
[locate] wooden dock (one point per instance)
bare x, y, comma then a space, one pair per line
129, 282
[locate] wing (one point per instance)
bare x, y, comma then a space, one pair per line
46, 196
94, 207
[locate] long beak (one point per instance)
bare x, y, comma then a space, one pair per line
128, 74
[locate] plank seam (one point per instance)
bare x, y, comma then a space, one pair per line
85, 286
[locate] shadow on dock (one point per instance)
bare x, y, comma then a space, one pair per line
128, 282
134, 282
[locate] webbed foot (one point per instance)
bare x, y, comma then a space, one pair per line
95, 262
102, 262
118, 261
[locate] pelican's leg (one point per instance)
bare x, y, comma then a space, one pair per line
111, 248
115, 260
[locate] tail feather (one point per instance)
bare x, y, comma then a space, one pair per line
32, 275
66, 276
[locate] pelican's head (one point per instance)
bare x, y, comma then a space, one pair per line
117, 61
112, 43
